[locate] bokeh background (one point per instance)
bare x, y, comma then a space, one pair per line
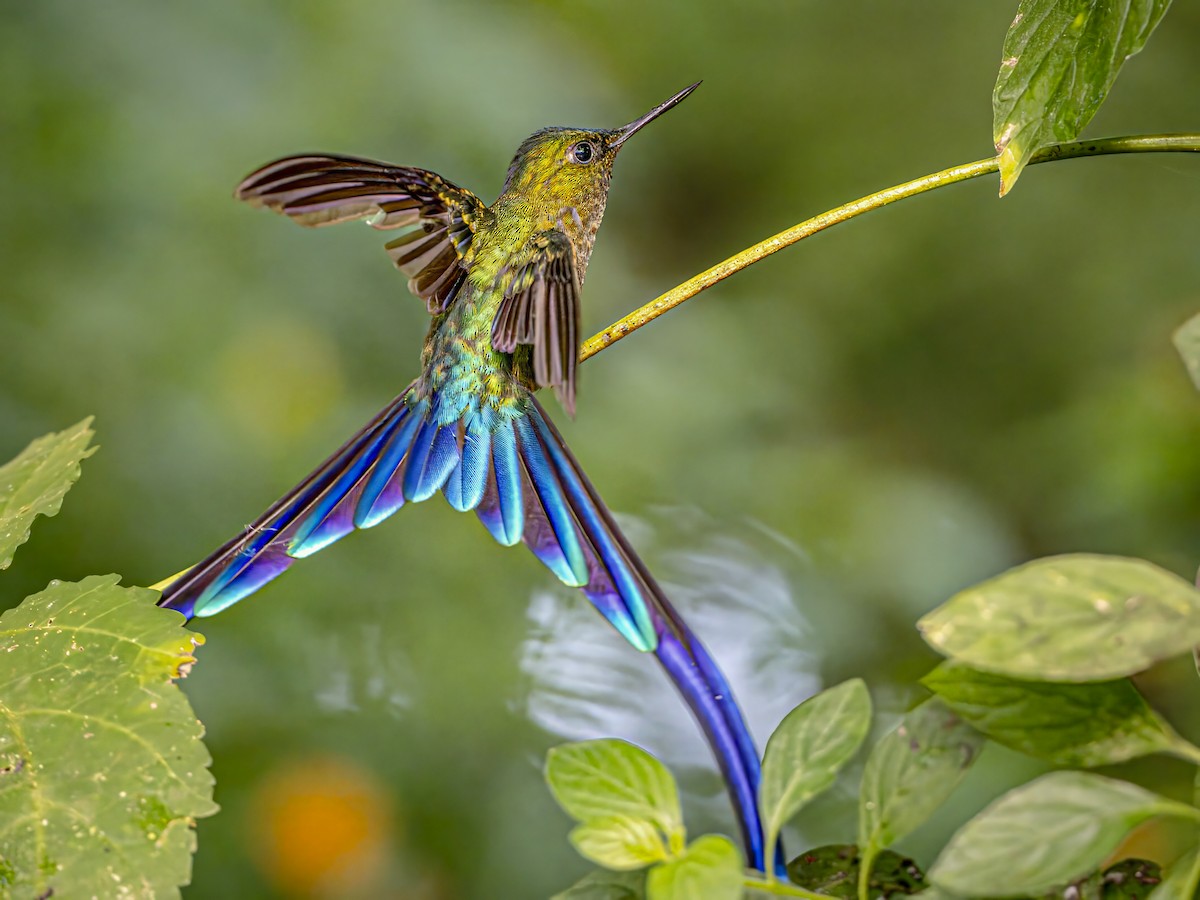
812, 454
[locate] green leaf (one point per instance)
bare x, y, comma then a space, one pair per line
1068, 724
601, 779
1056, 829
1187, 342
710, 869
34, 483
808, 749
102, 771
619, 842
911, 772
1080, 617
833, 870
605, 885
1060, 59
1181, 881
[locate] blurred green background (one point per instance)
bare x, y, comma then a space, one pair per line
813, 454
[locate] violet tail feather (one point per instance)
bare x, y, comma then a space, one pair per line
511, 466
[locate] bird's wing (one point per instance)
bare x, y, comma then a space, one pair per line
540, 308
321, 190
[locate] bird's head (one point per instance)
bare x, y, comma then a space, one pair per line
561, 175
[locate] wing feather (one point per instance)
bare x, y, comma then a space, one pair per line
316, 190
540, 308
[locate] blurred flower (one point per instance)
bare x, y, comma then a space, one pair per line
323, 828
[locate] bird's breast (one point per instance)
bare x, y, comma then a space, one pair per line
463, 374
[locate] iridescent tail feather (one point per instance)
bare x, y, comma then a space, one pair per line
514, 469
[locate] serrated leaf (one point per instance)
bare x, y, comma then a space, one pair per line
1060, 59
1080, 617
1052, 831
808, 749
619, 842
599, 779
1181, 880
102, 771
911, 771
35, 482
1092, 724
710, 869
833, 870
603, 884
1187, 341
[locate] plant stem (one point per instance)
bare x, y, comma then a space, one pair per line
1151, 143
781, 889
866, 862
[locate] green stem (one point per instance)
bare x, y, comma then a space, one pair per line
781, 889
1152, 143
866, 862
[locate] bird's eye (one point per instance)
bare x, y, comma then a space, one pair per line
583, 152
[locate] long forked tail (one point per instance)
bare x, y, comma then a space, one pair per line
514, 469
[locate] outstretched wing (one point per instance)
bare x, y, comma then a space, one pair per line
321, 190
541, 308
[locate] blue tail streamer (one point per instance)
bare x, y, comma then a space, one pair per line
517, 473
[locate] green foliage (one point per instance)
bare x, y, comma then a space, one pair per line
605, 884
1080, 617
710, 869
834, 870
619, 842
34, 483
615, 783
1130, 879
1054, 830
1060, 59
627, 807
102, 771
1092, 724
808, 749
910, 773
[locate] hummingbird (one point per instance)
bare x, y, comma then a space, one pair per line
502, 284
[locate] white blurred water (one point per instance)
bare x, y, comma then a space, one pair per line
738, 585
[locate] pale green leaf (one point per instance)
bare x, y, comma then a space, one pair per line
808, 749
102, 771
604, 778
604, 884
1080, 617
710, 869
1060, 59
619, 842
1052, 831
910, 772
1187, 342
1092, 724
34, 483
